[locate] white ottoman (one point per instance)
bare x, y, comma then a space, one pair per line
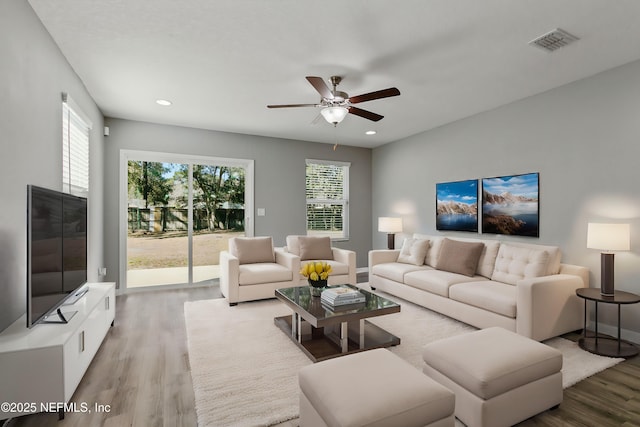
372, 388
499, 377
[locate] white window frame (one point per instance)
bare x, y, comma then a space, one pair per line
344, 201
76, 128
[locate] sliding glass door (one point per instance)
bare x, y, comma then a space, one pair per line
179, 213
218, 200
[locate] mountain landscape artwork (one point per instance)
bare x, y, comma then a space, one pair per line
457, 205
510, 205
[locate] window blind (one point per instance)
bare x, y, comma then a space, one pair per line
327, 198
75, 150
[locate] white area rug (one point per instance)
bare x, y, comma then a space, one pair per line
244, 369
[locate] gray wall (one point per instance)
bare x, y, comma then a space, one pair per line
33, 74
583, 139
279, 178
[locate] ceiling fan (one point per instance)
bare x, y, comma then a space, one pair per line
336, 104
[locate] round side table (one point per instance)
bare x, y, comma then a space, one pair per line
606, 346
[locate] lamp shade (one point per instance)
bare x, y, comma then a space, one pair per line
608, 237
334, 114
389, 224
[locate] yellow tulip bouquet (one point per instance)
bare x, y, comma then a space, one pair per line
317, 273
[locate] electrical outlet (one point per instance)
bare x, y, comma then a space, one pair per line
102, 271
262, 212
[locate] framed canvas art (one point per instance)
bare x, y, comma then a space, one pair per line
510, 205
457, 205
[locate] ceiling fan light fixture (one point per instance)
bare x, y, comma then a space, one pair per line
335, 114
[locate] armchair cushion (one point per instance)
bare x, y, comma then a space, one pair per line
257, 273
337, 268
251, 250
315, 248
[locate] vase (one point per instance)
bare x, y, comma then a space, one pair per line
317, 286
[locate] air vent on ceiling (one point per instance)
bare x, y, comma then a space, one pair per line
553, 40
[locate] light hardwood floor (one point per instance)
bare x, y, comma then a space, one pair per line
142, 372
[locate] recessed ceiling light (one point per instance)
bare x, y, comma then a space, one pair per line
371, 132
163, 102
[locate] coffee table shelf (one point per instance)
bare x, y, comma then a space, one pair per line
323, 333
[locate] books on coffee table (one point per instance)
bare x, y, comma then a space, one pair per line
342, 296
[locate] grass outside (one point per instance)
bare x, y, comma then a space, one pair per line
162, 250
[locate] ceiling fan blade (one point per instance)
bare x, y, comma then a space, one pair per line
292, 105
319, 85
384, 93
365, 114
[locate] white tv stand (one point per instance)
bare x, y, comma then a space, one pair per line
45, 364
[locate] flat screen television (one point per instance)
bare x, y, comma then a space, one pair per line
56, 251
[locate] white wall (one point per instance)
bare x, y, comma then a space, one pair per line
33, 75
583, 139
279, 178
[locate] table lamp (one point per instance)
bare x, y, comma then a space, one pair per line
608, 237
390, 225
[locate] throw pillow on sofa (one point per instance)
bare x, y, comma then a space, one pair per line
315, 248
515, 263
459, 257
251, 250
413, 251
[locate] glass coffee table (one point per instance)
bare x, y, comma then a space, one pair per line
323, 332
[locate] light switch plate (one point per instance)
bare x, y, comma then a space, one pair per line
262, 212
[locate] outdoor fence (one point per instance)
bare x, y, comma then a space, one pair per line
162, 219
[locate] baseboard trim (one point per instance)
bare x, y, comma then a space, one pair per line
612, 330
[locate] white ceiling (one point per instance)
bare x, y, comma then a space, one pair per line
221, 62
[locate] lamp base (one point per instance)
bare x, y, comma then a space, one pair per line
606, 275
391, 241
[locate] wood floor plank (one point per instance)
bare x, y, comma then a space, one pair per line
142, 371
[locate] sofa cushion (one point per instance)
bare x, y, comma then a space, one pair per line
459, 257
413, 251
515, 263
493, 296
315, 247
257, 273
251, 250
436, 281
435, 244
487, 261
487, 257
553, 263
395, 270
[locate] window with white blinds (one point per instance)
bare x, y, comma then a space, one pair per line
327, 193
75, 149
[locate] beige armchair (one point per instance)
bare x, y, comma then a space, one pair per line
252, 270
315, 248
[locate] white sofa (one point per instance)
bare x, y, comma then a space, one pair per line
252, 269
520, 287
315, 248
